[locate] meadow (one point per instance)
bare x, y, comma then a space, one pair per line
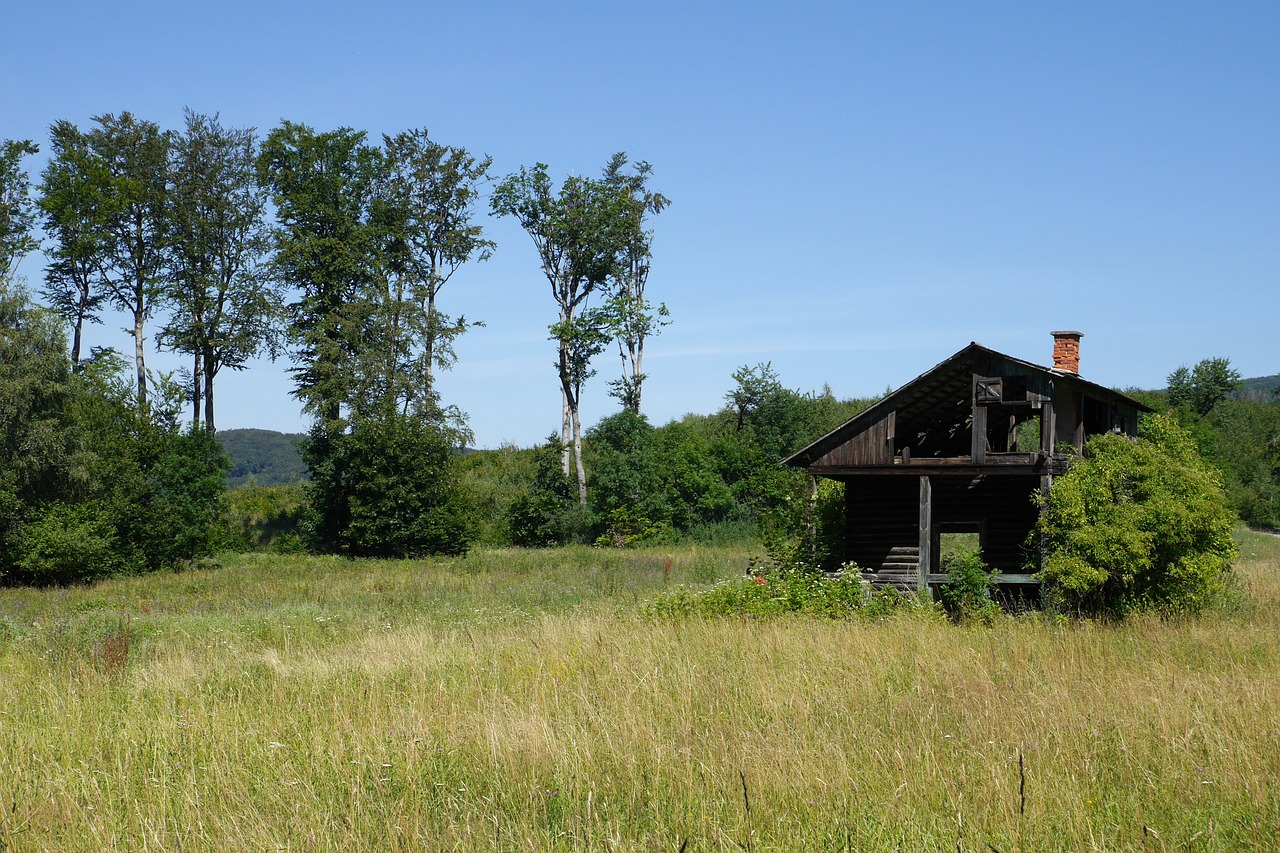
524, 700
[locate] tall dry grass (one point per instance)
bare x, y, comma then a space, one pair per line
469, 705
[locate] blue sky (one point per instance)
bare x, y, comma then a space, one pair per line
858, 189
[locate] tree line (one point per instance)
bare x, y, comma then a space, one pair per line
1237, 432
334, 249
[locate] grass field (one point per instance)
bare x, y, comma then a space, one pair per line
518, 700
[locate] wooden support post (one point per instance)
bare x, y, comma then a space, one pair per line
978, 438
811, 512
1046, 484
1048, 428
926, 533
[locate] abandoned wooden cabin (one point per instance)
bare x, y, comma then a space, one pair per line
959, 450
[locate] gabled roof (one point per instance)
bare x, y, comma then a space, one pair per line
942, 396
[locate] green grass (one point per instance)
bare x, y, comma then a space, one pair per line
514, 700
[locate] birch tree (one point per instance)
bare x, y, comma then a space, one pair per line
633, 317
579, 233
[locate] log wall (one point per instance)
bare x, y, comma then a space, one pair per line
882, 521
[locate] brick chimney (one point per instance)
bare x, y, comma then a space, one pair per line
1066, 351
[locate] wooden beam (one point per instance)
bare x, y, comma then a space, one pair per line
978, 436
1048, 427
926, 534
998, 579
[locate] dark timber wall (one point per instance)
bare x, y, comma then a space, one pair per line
882, 528
1000, 504
882, 520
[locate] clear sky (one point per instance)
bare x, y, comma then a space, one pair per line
858, 189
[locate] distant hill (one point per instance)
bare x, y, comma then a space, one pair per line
1260, 388
1264, 389
269, 457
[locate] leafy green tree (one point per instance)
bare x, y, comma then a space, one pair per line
695, 488
428, 201
387, 488
17, 210
1201, 388
133, 157
326, 247
369, 236
1137, 525
633, 318
224, 309
580, 232
74, 196
1242, 438
627, 481
777, 419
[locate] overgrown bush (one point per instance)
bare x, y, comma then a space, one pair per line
90, 484
1137, 525
67, 543
386, 488
967, 594
549, 513
841, 596
623, 529
263, 518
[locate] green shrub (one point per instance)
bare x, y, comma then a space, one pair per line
843, 595
967, 594
623, 529
67, 544
549, 513
1137, 525
386, 488
263, 518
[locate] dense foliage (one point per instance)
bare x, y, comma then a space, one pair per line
385, 488
89, 484
1236, 425
1137, 525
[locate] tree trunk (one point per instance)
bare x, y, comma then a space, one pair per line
139, 358
209, 372
197, 377
637, 361
577, 457
75, 344
568, 405
429, 342
566, 431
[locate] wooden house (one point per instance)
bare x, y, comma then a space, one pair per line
961, 449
